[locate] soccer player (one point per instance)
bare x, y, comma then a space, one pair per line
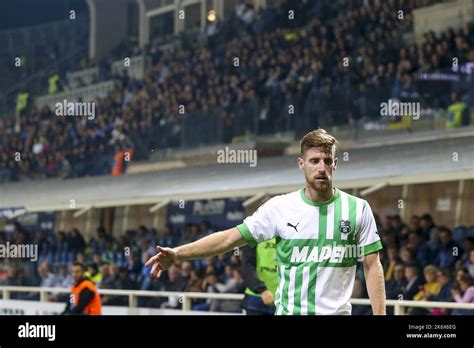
321, 233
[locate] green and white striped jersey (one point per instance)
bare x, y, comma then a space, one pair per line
318, 247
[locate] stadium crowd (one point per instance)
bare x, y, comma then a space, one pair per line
280, 62
421, 260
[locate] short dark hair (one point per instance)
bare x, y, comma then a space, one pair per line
93, 266
427, 217
318, 138
78, 264
415, 233
414, 267
465, 278
445, 272
444, 229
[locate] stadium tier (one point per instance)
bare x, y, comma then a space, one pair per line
135, 128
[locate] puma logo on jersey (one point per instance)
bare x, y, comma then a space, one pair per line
294, 226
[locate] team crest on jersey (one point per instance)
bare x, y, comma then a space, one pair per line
345, 226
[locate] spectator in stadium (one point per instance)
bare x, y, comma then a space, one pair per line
97, 258
413, 282
444, 295
431, 287
460, 272
388, 238
414, 224
116, 280
470, 263
76, 242
175, 282
16, 276
391, 261
124, 281
146, 249
449, 252
429, 231
208, 285
194, 282
186, 268
421, 251
396, 285
464, 294
64, 277
106, 281
233, 284
467, 245
134, 267
48, 279
406, 255
64, 280
81, 257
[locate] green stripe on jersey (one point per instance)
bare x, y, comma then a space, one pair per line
372, 248
245, 233
352, 218
298, 283
323, 215
312, 289
337, 220
284, 293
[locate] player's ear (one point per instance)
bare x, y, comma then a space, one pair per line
300, 162
335, 164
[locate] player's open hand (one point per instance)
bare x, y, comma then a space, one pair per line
165, 258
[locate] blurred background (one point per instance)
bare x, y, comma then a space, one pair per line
172, 82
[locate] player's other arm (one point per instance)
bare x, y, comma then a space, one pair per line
214, 244
371, 244
375, 283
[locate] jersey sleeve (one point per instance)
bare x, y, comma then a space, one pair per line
258, 227
368, 238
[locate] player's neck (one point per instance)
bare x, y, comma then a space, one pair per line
319, 196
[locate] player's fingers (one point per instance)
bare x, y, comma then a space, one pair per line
159, 273
151, 260
153, 270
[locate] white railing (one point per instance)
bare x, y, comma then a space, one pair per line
186, 297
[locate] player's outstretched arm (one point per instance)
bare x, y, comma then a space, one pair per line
214, 244
375, 283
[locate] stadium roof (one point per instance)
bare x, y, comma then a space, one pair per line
406, 163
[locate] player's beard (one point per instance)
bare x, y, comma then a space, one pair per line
322, 187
